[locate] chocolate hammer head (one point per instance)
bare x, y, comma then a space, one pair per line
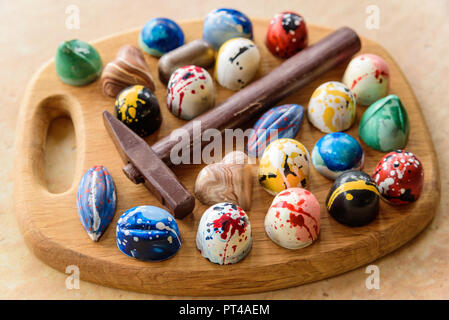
144, 166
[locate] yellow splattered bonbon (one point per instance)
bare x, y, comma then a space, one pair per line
137, 107
332, 107
284, 164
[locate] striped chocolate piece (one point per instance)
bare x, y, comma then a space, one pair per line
128, 68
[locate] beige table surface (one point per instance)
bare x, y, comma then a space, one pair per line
415, 32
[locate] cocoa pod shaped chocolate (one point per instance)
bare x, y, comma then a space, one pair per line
128, 68
279, 122
96, 201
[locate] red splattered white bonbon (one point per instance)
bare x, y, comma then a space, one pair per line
190, 92
293, 220
367, 76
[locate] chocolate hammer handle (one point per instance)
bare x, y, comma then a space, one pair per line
144, 166
290, 76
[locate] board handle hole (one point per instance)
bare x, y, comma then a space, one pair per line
60, 155
55, 139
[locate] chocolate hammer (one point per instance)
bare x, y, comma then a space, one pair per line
292, 75
144, 166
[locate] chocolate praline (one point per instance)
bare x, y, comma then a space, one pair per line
223, 24
287, 34
237, 63
77, 63
399, 176
335, 153
128, 68
353, 199
160, 35
148, 233
138, 108
190, 92
224, 234
385, 125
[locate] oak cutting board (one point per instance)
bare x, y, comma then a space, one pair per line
52, 229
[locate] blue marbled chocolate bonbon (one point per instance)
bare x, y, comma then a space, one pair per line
223, 24
148, 233
96, 201
336, 153
285, 119
160, 35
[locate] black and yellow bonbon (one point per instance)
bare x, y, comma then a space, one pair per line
138, 108
353, 199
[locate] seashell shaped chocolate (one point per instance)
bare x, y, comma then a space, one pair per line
96, 201
128, 68
225, 182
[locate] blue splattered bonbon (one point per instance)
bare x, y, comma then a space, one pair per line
148, 233
96, 201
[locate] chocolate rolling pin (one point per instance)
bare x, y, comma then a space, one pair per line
148, 164
198, 52
290, 76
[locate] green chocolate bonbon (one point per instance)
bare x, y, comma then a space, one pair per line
385, 125
77, 63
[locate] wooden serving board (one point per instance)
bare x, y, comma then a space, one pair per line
52, 229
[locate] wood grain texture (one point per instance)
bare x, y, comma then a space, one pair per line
51, 227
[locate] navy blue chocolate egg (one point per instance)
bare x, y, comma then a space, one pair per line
148, 233
353, 199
